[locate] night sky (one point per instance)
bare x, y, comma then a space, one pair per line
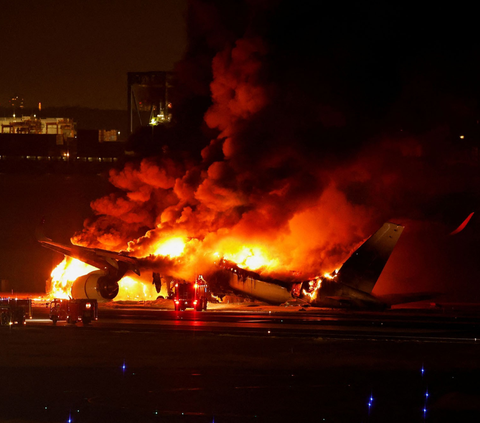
78, 52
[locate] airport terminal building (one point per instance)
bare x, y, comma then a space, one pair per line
55, 144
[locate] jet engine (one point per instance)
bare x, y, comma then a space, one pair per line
97, 285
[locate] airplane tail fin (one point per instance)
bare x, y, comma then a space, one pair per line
362, 270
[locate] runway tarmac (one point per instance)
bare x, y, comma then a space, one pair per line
421, 325
150, 365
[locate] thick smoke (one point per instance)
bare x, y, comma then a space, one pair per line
316, 129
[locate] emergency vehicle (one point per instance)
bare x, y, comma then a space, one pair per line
73, 310
14, 310
191, 295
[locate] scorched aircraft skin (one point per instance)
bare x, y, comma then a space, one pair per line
351, 287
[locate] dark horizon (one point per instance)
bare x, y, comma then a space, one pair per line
78, 53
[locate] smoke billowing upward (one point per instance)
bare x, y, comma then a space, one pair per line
312, 128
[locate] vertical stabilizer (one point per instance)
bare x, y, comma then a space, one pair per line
365, 265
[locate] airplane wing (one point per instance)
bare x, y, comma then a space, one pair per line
102, 259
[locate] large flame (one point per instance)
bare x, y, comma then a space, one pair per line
135, 290
63, 276
251, 258
67, 271
171, 247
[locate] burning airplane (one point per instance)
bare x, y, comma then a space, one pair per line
350, 286
103, 269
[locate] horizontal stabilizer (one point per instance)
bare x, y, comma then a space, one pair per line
393, 299
339, 298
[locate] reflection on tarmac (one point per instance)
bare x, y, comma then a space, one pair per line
406, 325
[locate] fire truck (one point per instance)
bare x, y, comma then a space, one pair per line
73, 310
14, 310
191, 295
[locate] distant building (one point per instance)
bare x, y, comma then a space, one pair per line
54, 143
16, 103
148, 98
90, 146
33, 125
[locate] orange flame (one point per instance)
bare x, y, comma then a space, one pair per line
313, 287
63, 276
135, 290
316, 283
172, 247
248, 257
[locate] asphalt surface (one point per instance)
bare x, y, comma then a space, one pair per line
149, 365
420, 325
